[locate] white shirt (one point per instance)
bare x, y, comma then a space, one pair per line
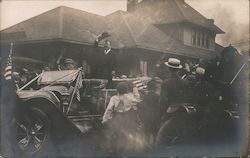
120, 103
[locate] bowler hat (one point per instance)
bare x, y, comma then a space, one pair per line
173, 63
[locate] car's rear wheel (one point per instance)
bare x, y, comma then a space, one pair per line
170, 132
31, 133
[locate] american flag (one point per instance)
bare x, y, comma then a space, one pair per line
139, 84
8, 68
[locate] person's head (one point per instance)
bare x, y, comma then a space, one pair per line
200, 72
173, 64
228, 53
24, 71
122, 88
107, 44
15, 76
69, 64
47, 68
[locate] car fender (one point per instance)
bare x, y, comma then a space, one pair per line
48, 95
188, 108
61, 125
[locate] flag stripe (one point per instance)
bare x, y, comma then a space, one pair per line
8, 73
8, 78
8, 68
139, 84
137, 81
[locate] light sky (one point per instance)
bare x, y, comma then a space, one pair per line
232, 16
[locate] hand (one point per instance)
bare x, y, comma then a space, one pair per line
157, 65
102, 36
105, 124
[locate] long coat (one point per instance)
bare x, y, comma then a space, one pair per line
102, 64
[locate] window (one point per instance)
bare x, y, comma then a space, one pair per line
193, 38
203, 40
207, 41
200, 39
144, 67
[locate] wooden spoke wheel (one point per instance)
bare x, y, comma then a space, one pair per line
31, 132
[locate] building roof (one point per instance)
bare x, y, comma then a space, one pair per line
60, 23
127, 30
135, 32
173, 11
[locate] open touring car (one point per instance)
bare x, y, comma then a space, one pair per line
57, 104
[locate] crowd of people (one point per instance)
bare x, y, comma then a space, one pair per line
220, 80
202, 83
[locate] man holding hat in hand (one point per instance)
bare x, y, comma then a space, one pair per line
174, 89
103, 61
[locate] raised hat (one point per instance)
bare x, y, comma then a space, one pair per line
173, 63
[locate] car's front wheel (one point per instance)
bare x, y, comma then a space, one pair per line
31, 133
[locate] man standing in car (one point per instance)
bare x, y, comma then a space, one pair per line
103, 62
174, 89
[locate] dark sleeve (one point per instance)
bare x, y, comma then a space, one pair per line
114, 62
164, 97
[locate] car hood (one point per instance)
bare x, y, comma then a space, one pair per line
61, 89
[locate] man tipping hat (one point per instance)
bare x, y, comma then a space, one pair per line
103, 60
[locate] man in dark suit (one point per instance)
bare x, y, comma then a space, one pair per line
103, 61
174, 89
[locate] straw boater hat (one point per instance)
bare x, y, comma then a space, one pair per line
173, 63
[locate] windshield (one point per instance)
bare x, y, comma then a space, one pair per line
66, 76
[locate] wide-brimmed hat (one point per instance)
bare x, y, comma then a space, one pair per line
173, 63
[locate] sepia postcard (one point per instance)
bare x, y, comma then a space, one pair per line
124, 78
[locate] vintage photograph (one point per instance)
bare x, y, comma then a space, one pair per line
124, 78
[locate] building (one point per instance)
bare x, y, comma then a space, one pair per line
144, 34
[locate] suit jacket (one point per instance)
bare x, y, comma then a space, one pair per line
174, 91
102, 64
